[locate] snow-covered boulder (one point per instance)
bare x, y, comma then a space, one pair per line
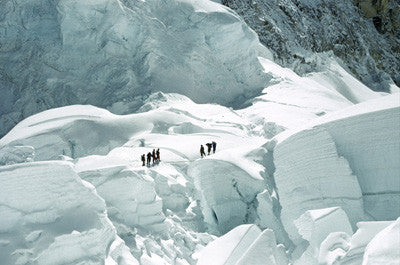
50, 216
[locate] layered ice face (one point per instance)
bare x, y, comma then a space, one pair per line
108, 52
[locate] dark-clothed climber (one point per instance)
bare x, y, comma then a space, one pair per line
214, 146
143, 160
148, 159
158, 155
209, 147
202, 153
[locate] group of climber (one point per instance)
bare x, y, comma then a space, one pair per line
209, 145
155, 155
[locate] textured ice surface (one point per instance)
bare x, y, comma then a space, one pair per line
227, 193
306, 35
315, 225
113, 53
362, 146
264, 251
49, 216
166, 212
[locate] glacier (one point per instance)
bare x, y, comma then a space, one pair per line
170, 212
305, 170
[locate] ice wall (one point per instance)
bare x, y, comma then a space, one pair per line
370, 141
101, 52
49, 216
130, 195
227, 193
311, 175
347, 159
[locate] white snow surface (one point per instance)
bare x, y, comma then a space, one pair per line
360, 145
304, 161
384, 247
53, 218
114, 53
168, 212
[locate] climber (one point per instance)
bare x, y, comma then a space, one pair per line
202, 153
209, 147
154, 156
148, 159
143, 160
158, 154
214, 146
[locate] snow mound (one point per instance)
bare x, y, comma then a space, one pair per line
343, 249
229, 248
290, 100
264, 251
245, 244
384, 247
50, 216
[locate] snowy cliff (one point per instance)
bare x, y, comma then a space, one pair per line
349, 158
302, 33
57, 53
